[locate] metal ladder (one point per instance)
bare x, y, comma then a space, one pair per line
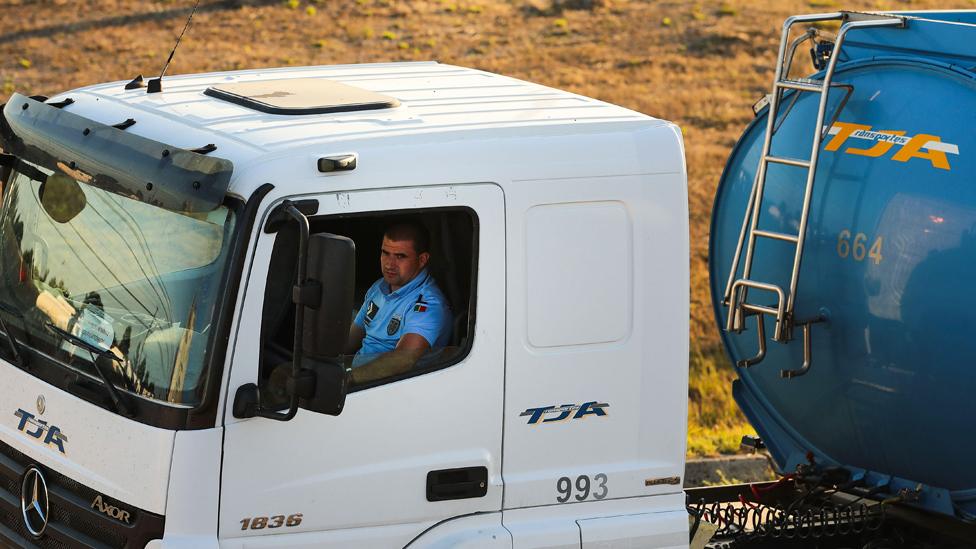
737, 289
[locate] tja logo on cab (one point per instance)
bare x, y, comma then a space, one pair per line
923, 145
38, 428
550, 414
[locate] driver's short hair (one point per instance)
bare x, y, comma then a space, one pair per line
413, 231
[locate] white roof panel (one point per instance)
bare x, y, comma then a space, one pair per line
433, 98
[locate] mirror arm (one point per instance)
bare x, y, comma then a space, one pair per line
296, 384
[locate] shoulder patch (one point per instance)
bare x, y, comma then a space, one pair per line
371, 310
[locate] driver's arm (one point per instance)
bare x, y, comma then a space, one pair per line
355, 341
407, 352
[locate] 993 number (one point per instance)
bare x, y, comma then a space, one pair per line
277, 521
584, 488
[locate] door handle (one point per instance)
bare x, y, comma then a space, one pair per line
463, 483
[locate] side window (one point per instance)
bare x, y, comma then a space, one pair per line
415, 296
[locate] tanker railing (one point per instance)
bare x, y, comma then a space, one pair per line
736, 292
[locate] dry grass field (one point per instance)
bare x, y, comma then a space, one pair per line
701, 65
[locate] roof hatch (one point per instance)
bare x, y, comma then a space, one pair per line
301, 96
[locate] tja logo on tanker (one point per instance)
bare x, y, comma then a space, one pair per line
923, 145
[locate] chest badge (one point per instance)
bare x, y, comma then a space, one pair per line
393, 326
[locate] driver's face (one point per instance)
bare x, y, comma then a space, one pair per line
400, 262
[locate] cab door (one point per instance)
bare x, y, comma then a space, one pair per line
372, 476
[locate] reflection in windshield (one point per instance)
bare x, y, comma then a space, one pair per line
126, 277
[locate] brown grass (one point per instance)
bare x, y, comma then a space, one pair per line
700, 64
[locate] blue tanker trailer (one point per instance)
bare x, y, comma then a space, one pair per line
843, 274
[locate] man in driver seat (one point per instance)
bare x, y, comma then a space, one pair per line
404, 314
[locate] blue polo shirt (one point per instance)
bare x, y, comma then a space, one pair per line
418, 307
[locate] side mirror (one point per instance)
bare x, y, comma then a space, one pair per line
332, 264
323, 295
332, 273
325, 384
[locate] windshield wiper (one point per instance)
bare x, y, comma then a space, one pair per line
21, 358
97, 353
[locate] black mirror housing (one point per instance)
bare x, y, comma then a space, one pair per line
329, 383
332, 265
328, 299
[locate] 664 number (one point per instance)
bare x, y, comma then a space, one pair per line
564, 487
857, 247
277, 521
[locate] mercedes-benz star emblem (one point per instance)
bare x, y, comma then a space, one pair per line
40, 405
33, 501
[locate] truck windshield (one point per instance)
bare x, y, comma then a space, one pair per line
124, 276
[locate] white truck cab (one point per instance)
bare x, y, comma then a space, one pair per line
161, 388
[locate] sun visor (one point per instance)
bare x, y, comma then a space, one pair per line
113, 159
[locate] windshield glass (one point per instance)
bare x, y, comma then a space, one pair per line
127, 277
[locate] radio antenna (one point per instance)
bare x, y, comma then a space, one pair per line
156, 84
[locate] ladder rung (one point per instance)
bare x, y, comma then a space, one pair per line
777, 236
802, 86
788, 161
760, 309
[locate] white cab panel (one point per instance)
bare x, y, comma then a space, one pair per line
537, 529
121, 458
482, 531
350, 474
635, 357
375, 537
194, 492
663, 530
578, 293
645, 523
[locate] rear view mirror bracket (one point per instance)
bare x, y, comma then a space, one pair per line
281, 215
246, 400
